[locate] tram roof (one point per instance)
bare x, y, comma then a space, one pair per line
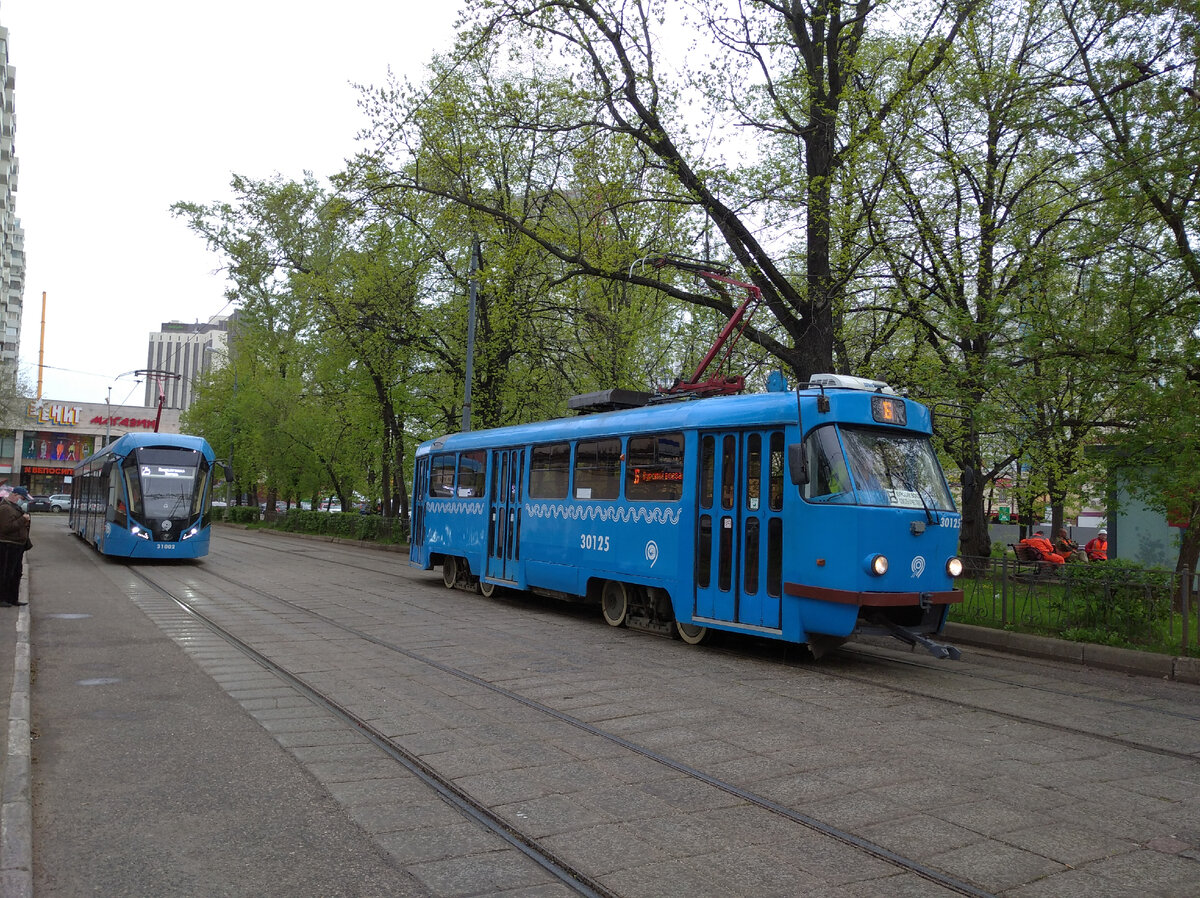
123, 445
743, 411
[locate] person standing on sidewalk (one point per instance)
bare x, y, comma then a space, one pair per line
14, 540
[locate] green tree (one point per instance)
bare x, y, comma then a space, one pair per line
793, 67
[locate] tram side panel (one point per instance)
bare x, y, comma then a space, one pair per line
567, 544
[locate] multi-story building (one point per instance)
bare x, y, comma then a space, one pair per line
12, 237
180, 353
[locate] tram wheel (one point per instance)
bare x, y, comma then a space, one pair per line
691, 634
449, 571
487, 590
614, 602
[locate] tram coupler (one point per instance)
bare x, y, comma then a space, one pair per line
934, 648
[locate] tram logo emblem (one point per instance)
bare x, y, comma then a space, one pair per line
918, 566
652, 552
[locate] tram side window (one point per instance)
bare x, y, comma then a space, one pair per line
550, 471
828, 479
775, 484
598, 469
472, 473
441, 476
654, 468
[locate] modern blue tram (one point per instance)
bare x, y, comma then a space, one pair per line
806, 516
146, 496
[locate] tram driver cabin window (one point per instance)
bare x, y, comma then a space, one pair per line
654, 468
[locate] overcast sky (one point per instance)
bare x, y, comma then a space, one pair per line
127, 106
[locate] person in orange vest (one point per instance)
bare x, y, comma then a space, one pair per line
1043, 547
1097, 549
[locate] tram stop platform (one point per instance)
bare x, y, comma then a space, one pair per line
143, 771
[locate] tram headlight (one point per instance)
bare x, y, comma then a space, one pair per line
878, 565
954, 567
139, 532
188, 534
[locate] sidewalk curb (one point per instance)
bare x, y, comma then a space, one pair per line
1146, 664
16, 812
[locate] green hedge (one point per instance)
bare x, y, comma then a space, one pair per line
344, 525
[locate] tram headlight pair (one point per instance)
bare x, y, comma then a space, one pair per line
954, 567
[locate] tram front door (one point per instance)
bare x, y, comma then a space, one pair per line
504, 514
739, 535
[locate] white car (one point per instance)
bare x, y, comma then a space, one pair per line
60, 502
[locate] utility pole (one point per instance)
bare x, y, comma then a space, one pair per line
466, 414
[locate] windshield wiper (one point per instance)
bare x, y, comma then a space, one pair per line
912, 488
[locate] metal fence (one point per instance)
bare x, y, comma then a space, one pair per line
1108, 604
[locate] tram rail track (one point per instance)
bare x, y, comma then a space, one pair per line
562, 869
945, 670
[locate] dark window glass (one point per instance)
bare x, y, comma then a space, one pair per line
441, 476
775, 484
750, 580
775, 556
472, 473
728, 469
725, 561
707, 453
704, 553
753, 470
550, 471
654, 468
598, 469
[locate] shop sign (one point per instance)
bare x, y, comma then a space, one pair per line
133, 423
55, 413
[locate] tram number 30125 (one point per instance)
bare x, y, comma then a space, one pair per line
593, 542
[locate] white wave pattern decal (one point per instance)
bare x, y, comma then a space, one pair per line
455, 506
619, 514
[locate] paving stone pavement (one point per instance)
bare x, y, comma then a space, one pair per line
182, 762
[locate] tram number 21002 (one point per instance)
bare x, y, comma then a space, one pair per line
593, 542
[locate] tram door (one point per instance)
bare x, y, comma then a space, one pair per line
504, 514
417, 526
739, 538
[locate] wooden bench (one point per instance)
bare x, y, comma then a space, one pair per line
1029, 560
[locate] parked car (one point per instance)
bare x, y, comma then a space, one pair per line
39, 503
60, 502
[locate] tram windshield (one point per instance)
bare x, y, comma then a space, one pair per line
164, 483
878, 467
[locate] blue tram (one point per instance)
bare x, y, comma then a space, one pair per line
146, 496
804, 516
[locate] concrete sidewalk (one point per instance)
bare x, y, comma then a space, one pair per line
16, 810
148, 777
